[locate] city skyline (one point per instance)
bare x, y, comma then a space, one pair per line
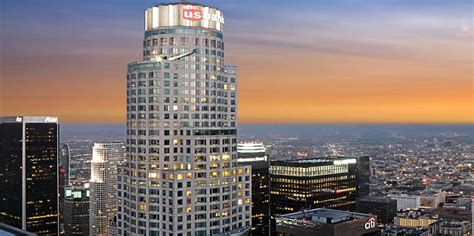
314, 62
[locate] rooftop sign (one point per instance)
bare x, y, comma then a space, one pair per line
187, 15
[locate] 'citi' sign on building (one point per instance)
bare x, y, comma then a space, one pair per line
370, 223
192, 14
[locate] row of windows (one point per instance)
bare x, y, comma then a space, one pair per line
181, 150
197, 158
185, 124
186, 30
171, 51
186, 100
186, 108
164, 41
190, 84
143, 75
216, 231
181, 141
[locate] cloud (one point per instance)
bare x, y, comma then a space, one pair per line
466, 32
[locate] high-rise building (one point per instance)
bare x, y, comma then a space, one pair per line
383, 207
314, 183
76, 211
363, 176
29, 173
64, 166
64, 156
253, 154
106, 157
181, 176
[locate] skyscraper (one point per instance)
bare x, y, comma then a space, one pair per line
64, 160
29, 173
181, 176
76, 210
64, 156
311, 183
106, 157
253, 154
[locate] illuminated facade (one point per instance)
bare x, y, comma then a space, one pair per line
415, 219
253, 154
106, 157
29, 173
181, 175
76, 211
312, 183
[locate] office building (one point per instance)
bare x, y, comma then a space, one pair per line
447, 227
415, 219
181, 176
363, 176
326, 222
402, 231
106, 157
384, 208
29, 173
405, 201
314, 183
253, 154
76, 211
64, 156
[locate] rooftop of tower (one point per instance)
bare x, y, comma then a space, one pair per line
182, 3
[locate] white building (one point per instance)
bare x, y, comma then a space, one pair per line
405, 201
181, 176
106, 157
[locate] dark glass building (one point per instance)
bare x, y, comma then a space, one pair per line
253, 154
315, 183
363, 176
384, 208
29, 173
64, 156
76, 211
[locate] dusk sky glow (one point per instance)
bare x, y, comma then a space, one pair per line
299, 61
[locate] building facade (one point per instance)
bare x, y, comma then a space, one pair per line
181, 175
253, 154
106, 157
76, 211
384, 208
405, 201
64, 157
415, 219
326, 222
313, 183
363, 176
29, 173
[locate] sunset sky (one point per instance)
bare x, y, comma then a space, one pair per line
367, 61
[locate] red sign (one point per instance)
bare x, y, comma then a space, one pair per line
192, 14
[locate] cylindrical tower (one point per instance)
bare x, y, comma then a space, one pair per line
106, 157
181, 176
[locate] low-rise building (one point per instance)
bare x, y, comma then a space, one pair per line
384, 208
405, 201
326, 222
415, 219
454, 228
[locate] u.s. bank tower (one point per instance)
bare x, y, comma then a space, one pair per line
181, 176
